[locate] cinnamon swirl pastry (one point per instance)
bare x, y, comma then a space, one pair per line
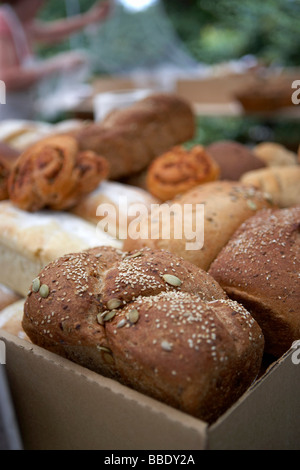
179, 170
55, 174
8, 156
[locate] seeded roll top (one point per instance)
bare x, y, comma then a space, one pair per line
150, 320
259, 268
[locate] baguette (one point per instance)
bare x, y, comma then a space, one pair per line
127, 317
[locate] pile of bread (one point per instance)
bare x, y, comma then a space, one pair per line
187, 327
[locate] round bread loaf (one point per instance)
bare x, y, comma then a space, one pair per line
179, 228
259, 268
150, 320
234, 159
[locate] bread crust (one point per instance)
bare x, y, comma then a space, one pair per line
121, 315
259, 268
282, 183
29, 241
118, 196
226, 206
131, 138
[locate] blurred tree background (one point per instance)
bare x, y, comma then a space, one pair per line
218, 31
212, 32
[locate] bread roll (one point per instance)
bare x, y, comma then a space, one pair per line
226, 206
11, 319
233, 158
119, 199
282, 183
180, 169
131, 138
30, 241
259, 267
150, 320
274, 154
55, 174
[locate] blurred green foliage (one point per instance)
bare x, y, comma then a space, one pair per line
248, 130
216, 31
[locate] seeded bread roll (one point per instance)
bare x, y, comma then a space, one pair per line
260, 267
226, 206
150, 320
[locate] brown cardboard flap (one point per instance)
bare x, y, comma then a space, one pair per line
63, 406
267, 416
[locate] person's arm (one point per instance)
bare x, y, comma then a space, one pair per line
59, 30
17, 77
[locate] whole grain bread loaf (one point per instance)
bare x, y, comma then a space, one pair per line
131, 138
259, 268
150, 320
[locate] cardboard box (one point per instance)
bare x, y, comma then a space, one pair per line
63, 406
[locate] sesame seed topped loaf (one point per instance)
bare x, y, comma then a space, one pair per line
260, 268
150, 320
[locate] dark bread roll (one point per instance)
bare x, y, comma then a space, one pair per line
234, 159
259, 268
150, 320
